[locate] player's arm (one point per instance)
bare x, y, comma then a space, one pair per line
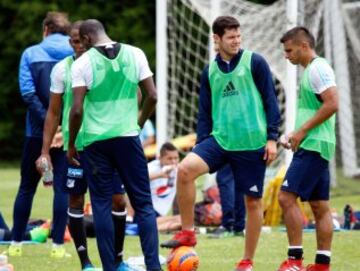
27, 89
80, 85
147, 85
52, 121
329, 107
264, 83
204, 123
322, 81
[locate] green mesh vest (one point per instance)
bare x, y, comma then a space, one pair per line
322, 138
67, 103
111, 102
239, 121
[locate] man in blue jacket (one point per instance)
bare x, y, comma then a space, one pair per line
34, 80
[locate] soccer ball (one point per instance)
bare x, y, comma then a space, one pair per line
183, 259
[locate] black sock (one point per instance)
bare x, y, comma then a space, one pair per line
119, 219
77, 231
295, 253
322, 259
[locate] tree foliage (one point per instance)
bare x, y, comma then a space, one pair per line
127, 21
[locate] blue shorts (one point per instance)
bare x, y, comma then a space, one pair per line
75, 182
248, 167
308, 176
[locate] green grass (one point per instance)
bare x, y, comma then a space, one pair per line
215, 255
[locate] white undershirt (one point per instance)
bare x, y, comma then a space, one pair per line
321, 76
81, 71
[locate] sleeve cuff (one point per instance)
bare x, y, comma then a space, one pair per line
272, 135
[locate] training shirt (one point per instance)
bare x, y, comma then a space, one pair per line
34, 78
264, 83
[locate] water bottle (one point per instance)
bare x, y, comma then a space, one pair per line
48, 176
172, 177
4, 265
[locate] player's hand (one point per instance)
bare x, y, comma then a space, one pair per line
38, 162
57, 141
296, 138
73, 156
166, 170
284, 141
270, 151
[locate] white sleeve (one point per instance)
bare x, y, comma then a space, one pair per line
144, 69
57, 78
321, 77
81, 72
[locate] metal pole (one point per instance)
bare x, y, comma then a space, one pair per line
161, 72
291, 79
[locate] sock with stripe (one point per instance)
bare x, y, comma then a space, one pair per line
295, 252
323, 257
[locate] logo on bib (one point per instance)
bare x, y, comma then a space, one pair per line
230, 90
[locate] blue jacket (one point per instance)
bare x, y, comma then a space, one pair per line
34, 78
264, 83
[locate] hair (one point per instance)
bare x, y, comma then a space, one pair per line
76, 25
223, 23
57, 22
91, 27
167, 147
297, 34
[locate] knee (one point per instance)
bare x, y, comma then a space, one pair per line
76, 201
253, 204
319, 209
118, 203
184, 174
286, 200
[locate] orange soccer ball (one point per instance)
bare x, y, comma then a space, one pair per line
183, 259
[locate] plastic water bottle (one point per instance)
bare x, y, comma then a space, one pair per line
4, 265
48, 175
172, 177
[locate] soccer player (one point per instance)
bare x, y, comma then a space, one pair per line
238, 125
34, 79
75, 182
313, 143
107, 77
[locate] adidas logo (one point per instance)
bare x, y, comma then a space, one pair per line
286, 184
230, 90
254, 189
81, 248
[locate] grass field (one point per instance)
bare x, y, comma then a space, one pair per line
215, 255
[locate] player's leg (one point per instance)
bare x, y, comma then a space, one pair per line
131, 165
206, 156
319, 202
75, 184
300, 181
225, 182
119, 217
60, 203
99, 171
239, 214
24, 198
249, 171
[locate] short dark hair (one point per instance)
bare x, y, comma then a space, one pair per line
167, 147
222, 23
57, 22
76, 25
91, 27
299, 33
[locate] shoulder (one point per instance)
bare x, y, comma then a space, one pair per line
154, 165
82, 62
321, 75
258, 60
60, 66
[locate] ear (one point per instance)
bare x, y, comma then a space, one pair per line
216, 38
45, 31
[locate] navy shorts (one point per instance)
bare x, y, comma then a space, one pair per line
308, 176
75, 182
248, 167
